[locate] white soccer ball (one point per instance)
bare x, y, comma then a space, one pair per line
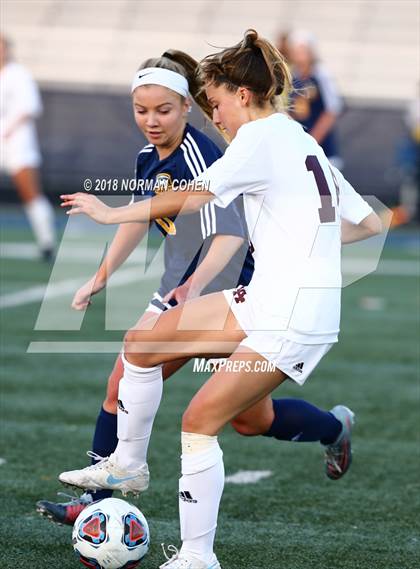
111, 534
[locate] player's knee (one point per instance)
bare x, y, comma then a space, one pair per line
194, 420
143, 360
244, 428
130, 338
135, 349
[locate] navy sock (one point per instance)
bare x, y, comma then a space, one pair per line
104, 443
299, 421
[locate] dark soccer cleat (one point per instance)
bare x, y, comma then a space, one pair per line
338, 455
64, 512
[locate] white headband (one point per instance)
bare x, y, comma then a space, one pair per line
159, 76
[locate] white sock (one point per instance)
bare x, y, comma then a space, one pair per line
139, 395
41, 217
200, 491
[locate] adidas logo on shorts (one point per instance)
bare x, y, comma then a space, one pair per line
186, 497
298, 367
121, 406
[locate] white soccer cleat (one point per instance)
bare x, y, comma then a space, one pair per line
186, 561
107, 475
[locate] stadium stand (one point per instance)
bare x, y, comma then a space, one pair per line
371, 46
83, 55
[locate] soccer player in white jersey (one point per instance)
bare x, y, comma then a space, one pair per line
288, 315
20, 106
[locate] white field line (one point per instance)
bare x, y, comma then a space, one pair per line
248, 476
83, 254
55, 290
19, 251
389, 267
40, 347
36, 293
351, 266
108, 347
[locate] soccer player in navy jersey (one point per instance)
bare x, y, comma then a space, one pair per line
315, 102
193, 155
204, 252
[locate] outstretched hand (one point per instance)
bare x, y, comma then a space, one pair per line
184, 292
88, 204
82, 298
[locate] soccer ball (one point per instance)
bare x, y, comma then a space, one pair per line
111, 534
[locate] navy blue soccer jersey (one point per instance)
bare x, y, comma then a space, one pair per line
313, 96
187, 238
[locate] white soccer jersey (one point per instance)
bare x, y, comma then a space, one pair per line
19, 96
294, 200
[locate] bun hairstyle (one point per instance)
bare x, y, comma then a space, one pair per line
253, 63
187, 66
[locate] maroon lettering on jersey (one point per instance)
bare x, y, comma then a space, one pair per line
239, 294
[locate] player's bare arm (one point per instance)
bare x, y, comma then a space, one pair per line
221, 250
126, 238
368, 227
166, 204
323, 126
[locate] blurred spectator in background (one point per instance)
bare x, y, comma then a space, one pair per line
408, 158
413, 124
315, 101
20, 105
282, 44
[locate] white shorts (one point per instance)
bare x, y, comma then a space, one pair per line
295, 359
20, 150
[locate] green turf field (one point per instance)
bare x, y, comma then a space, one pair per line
296, 518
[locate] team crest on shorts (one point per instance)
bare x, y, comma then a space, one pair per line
239, 294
